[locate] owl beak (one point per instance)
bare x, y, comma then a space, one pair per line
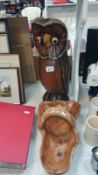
46, 40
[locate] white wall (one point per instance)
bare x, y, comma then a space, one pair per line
68, 15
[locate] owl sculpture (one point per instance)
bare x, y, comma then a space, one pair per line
51, 41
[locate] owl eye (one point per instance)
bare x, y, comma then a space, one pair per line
55, 40
39, 39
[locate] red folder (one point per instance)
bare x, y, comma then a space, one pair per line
16, 122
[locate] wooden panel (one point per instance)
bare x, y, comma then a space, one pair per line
20, 43
13, 60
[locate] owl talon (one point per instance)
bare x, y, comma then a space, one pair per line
46, 96
55, 96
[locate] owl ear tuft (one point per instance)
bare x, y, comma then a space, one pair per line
36, 28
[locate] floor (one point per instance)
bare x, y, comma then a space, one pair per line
81, 163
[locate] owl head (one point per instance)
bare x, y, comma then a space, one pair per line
50, 36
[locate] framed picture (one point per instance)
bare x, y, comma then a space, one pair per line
4, 37
4, 45
12, 60
9, 60
2, 26
9, 85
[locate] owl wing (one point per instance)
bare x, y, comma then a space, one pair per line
65, 66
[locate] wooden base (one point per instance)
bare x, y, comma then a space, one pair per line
59, 136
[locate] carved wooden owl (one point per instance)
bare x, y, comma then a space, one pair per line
50, 37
